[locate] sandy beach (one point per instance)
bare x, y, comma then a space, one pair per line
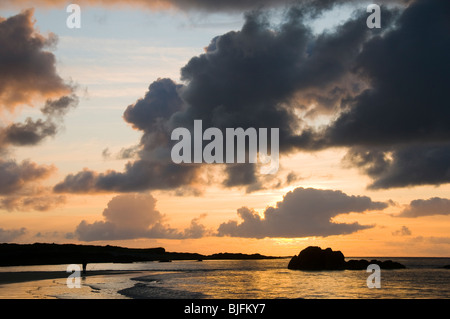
24, 276
95, 284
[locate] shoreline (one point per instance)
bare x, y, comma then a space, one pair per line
27, 276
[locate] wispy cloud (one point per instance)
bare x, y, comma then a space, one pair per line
9, 235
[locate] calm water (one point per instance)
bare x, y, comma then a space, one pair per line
239, 279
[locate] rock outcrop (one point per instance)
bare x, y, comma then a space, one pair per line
316, 258
362, 264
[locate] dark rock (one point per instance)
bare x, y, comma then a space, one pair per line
315, 258
389, 264
356, 264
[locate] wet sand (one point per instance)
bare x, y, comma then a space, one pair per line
24, 276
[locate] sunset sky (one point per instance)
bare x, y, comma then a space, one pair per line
86, 116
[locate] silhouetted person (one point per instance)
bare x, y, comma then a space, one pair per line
84, 267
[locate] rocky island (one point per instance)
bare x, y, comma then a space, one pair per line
316, 258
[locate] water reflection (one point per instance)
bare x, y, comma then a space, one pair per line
236, 279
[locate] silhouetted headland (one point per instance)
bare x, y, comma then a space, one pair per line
316, 258
54, 254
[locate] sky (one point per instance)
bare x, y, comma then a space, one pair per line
86, 116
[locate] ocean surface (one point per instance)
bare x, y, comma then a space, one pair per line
424, 278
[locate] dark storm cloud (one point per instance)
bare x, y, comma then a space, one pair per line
244, 79
387, 86
409, 73
248, 78
154, 168
427, 207
159, 103
403, 165
133, 216
416, 165
28, 71
240, 175
398, 129
302, 213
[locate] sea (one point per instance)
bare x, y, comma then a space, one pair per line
424, 278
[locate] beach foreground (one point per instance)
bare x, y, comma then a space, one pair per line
26, 276
424, 278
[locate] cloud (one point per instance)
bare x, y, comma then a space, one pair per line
406, 96
302, 213
402, 120
28, 70
139, 175
124, 153
20, 187
431, 239
392, 166
404, 231
195, 229
38, 199
153, 168
9, 235
256, 76
29, 133
29, 76
429, 162
388, 110
133, 216
244, 79
426, 207
16, 176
